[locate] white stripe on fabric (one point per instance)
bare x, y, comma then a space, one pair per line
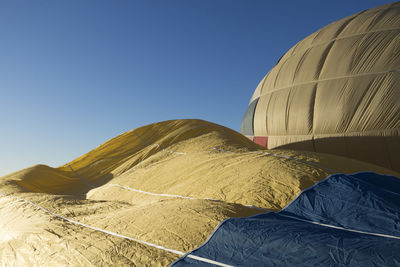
330, 79
155, 194
333, 226
176, 196
345, 229
137, 190
177, 252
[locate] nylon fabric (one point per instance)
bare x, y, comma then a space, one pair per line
115, 234
340, 80
139, 191
344, 220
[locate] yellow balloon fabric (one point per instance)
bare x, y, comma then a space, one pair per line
337, 91
149, 195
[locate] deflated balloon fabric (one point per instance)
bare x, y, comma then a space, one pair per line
344, 220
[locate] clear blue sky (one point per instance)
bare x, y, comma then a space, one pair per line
76, 73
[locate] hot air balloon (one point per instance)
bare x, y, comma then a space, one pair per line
337, 91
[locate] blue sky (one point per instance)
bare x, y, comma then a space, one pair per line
76, 73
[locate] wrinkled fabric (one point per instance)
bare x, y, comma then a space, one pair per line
336, 91
366, 204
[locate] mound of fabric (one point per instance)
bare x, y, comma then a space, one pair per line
344, 220
150, 195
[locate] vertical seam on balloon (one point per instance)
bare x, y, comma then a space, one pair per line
266, 115
263, 83
300, 63
287, 109
357, 105
312, 112
379, 82
278, 72
253, 116
323, 58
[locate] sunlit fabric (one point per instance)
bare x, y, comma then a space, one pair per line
337, 91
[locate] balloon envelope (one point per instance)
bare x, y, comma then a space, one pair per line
337, 91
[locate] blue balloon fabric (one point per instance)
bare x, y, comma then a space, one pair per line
344, 220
